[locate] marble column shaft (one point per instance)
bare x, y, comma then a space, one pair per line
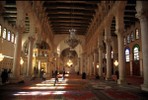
142, 14
108, 65
100, 61
95, 63
17, 55
30, 53
121, 66
20, 23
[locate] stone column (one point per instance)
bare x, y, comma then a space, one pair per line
108, 63
20, 24
82, 64
121, 66
17, 54
115, 57
30, 55
141, 63
131, 64
79, 64
115, 52
95, 62
48, 73
89, 65
108, 50
142, 15
120, 31
100, 61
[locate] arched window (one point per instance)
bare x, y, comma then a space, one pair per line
127, 55
9, 36
128, 39
136, 52
0, 30
112, 54
4, 33
125, 41
132, 36
12, 37
137, 34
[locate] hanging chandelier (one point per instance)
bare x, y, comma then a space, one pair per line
72, 41
69, 62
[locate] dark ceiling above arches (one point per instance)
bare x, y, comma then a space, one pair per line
69, 53
42, 45
63, 14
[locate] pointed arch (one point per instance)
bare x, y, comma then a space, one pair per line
127, 54
136, 49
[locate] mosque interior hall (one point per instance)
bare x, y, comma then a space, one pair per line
74, 50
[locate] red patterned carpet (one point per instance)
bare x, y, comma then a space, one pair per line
72, 88
50, 95
120, 95
79, 95
69, 89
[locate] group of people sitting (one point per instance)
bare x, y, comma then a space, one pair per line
5, 75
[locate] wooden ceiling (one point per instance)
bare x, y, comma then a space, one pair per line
66, 14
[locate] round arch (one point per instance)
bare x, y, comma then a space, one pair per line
62, 45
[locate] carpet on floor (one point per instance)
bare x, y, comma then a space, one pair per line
52, 95
79, 95
120, 95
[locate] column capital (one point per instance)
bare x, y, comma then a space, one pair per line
108, 41
119, 31
95, 50
142, 9
20, 28
141, 15
30, 38
101, 47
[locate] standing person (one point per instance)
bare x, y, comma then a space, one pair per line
56, 77
63, 74
9, 74
42, 74
4, 76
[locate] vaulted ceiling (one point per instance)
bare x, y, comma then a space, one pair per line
66, 14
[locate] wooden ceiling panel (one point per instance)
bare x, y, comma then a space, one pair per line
66, 14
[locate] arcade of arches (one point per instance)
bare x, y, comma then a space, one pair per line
111, 36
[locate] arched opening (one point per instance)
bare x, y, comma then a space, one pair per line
127, 60
69, 58
136, 62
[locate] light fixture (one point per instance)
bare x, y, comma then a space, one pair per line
116, 63
1, 57
69, 63
97, 65
72, 41
21, 61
